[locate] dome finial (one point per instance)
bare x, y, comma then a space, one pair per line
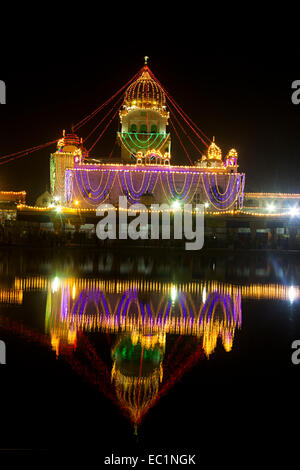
214, 152
145, 92
146, 59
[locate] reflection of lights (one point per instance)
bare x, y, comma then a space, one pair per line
293, 211
173, 293
204, 295
150, 322
55, 344
55, 284
58, 209
72, 335
291, 294
271, 207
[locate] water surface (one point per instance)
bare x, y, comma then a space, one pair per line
128, 351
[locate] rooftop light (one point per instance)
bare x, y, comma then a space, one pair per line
293, 211
176, 205
271, 207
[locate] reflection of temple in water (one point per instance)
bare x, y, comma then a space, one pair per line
153, 331
207, 312
145, 318
137, 371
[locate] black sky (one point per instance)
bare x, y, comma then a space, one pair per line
237, 88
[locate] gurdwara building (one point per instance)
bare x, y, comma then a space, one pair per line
145, 171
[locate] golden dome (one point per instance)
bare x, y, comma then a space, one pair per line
232, 154
69, 142
214, 152
145, 93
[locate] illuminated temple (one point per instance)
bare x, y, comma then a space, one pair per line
145, 167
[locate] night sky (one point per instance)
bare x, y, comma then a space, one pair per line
237, 89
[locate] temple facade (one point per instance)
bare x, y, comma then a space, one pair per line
145, 172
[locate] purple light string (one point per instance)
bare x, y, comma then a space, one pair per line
222, 197
175, 194
220, 204
99, 195
132, 194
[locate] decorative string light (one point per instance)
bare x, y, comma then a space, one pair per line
103, 189
155, 141
167, 183
147, 185
218, 200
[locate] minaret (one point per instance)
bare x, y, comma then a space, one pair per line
144, 120
69, 153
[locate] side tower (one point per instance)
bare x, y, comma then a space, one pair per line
69, 152
144, 121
